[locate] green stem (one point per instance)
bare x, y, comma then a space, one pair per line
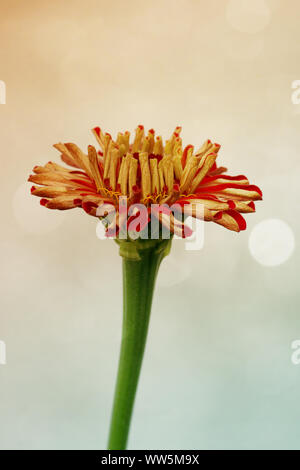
141, 260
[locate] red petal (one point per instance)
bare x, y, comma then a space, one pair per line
238, 218
184, 155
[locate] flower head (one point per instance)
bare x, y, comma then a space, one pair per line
145, 171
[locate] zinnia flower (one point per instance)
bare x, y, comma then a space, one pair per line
146, 171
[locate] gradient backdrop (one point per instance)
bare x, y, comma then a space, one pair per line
218, 372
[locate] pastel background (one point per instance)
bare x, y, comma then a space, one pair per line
217, 372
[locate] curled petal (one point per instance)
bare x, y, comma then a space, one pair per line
245, 206
40, 169
215, 205
51, 178
90, 208
49, 191
96, 199
223, 179
235, 191
231, 219
217, 170
66, 155
61, 202
66, 159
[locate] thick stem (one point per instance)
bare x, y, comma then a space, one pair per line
141, 260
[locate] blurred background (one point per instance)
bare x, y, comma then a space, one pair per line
217, 372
